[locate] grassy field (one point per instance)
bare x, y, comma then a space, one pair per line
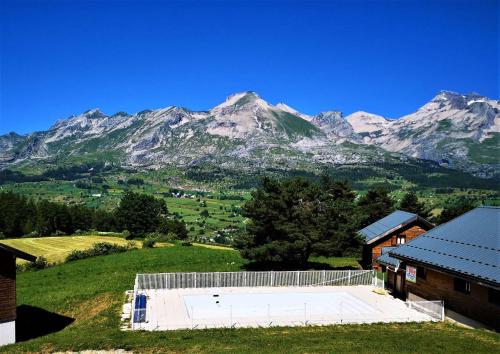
223, 214
55, 249
90, 294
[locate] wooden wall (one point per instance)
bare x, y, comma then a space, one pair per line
411, 231
475, 305
7, 287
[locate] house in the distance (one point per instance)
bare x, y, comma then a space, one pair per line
393, 230
457, 262
8, 257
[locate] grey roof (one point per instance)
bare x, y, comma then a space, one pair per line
388, 224
17, 253
386, 259
468, 245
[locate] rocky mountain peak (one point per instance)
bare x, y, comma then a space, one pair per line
363, 122
464, 127
95, 113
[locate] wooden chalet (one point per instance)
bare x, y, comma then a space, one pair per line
391, 231
8, 257
457, 262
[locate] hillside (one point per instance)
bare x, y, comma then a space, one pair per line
245, 133
83, 300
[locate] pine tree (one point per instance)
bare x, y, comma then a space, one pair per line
411, 204
375, 205
292, 219
455, 209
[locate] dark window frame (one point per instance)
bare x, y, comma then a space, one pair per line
421, 272
461, 285
494, 296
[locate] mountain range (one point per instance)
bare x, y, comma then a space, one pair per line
245, 131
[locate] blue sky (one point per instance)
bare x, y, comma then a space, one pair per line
60, 58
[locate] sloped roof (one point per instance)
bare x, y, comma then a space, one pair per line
386, 259
468, 245
17, 253
388, 224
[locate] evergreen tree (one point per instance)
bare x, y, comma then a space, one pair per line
411, 204
81, 217
104, 221
292, 219
455, 209
13, 214
336, 220
375, 205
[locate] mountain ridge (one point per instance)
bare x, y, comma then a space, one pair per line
457, 130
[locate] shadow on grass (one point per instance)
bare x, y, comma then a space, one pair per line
33, 322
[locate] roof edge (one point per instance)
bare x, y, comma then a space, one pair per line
445, 270
17, 253
416, 217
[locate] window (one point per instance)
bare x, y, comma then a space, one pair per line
461, 285
421, 272
494, 296
401, 240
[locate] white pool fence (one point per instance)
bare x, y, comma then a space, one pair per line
254, 279
162, 281
434, 309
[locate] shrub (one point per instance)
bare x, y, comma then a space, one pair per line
186, 243
98, 249
131, 244
175, 228
40, 263
149, 242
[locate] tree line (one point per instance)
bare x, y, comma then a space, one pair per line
138, 214
292, 219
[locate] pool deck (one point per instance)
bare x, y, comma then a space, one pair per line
167, 309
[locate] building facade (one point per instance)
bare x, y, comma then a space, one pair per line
457, 262
392, 231
8, 257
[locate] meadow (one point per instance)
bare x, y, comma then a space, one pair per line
223, 214
88, 295
55, 249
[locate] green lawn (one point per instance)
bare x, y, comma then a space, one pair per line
337, 262
91, 292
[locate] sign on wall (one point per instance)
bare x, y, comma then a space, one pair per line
411, 274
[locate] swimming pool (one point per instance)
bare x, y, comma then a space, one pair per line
219, 304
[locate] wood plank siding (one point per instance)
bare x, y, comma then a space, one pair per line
476, 304
7, 286
374, 250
